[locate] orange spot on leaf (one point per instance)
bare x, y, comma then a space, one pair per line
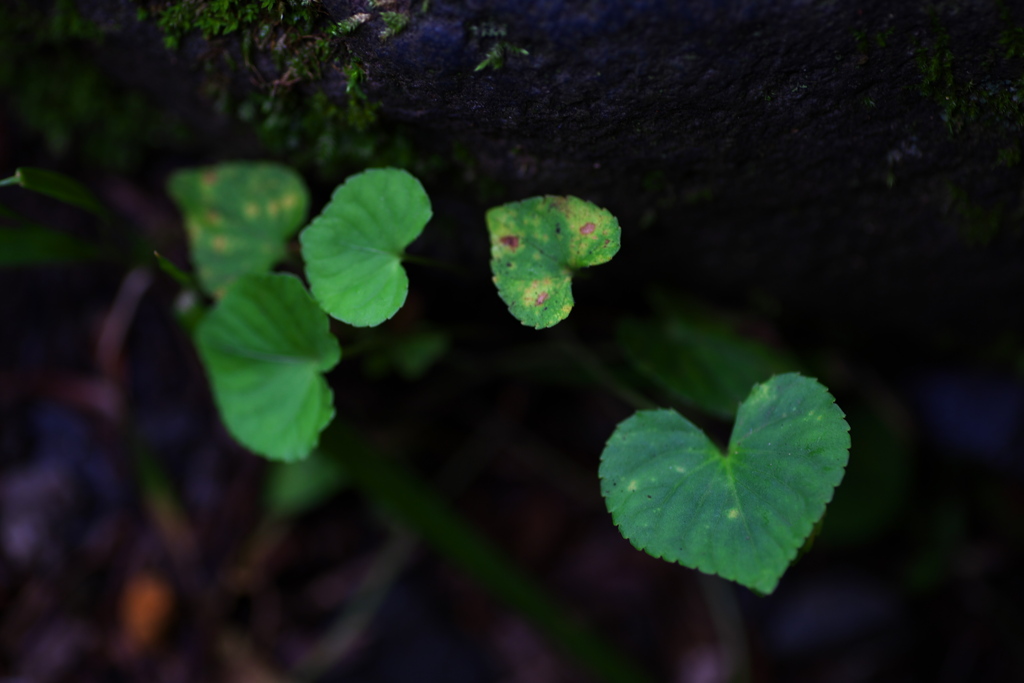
588, 229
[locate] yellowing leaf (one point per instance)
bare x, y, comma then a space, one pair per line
536, 247
238, 217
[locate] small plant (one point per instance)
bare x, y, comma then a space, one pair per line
350, 24
498, 53
742, 511
265, 343
394, 23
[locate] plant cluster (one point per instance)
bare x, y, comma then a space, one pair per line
742, 512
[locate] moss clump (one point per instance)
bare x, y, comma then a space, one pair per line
292, 33
350, 24
1011, 38
498, 53
218, 18
938, 81
394, 23
500, 50
994, 104
314, 132
292, 115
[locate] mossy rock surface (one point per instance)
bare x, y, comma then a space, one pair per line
858, 164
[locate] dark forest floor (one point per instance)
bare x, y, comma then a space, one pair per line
105, 576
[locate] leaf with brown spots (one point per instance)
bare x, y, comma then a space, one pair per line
536, 247
238, 217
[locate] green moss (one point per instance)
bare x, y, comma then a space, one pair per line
500, 50
215, 18
293, 117
498, 53
394, 22
935, 63
309, 131
292, 33
350, 24
882, 37
489, 29
879, 38
1011, 37
993, 104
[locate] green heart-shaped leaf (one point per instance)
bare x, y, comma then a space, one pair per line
536, 247
743, 514
354, 248
265, 346
238, 217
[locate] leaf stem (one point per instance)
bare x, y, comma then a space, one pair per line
434, 263
603, 376
724, 609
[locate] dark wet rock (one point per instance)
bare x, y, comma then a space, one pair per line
854, 165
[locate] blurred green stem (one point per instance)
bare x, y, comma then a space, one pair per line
417, 506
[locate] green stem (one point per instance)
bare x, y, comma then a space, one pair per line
359, 347
434, 263
603, 376
720, 598
13, 180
